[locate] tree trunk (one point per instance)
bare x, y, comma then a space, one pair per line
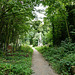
53, 34
67, 29
7, 37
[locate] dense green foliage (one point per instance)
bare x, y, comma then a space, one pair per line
60, 19
61, 58
20, 26
59, 22
18, 63
15, 18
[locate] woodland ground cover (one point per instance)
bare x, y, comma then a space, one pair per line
60, 58
17, 63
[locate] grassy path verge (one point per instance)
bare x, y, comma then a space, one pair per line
19, 63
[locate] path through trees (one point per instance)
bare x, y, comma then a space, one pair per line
40, 66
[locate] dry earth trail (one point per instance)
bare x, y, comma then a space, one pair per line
40, 66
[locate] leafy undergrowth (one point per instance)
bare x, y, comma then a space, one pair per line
60, 58
19, 63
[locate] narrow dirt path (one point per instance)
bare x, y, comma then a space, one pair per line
39, 65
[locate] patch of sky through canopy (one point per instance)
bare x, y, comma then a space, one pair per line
39, 12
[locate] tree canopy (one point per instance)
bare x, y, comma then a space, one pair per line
16, 21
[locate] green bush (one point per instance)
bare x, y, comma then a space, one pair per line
69, 47
35, 42
64, 65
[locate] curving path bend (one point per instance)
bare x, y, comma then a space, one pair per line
40, 66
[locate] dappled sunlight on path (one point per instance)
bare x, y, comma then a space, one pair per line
39, 65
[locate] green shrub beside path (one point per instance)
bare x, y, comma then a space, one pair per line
17, 64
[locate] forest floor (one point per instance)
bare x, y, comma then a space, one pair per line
40, 66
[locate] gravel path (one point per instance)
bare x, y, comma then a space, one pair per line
40, 66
